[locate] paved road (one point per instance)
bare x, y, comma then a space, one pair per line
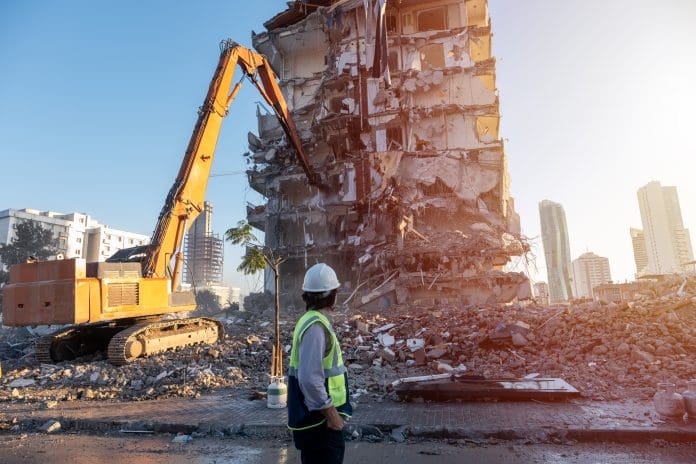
116, 449
228, 409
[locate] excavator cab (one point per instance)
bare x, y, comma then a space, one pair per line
136, 254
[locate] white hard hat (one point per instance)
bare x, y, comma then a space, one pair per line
320, 278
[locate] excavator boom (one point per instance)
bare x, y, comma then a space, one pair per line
185, 199
117, 306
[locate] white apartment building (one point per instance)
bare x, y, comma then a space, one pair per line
589, 271
77, 235
667, 242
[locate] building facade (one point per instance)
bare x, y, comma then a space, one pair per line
541, 293
397, 107
640, 254
77, 235
667, 242
235, 296
619, 293
554, 236
589, 271
204, 253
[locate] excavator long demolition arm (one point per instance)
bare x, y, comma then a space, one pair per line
185, 199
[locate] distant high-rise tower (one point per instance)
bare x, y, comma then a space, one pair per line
667, 242
554, 235
589, 271
640, 254
203, 251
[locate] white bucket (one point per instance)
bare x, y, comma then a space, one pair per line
277, 394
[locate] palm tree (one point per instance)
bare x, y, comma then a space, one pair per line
256, 258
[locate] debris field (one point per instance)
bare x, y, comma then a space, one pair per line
606, 351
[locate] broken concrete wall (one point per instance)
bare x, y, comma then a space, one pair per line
418, 204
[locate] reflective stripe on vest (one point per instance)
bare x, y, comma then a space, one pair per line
332, 363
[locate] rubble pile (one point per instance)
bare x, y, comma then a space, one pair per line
607, 351
240, 362
15, 343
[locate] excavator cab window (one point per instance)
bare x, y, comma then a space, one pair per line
129, 255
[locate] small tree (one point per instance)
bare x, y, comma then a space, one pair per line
256, 258
30, 239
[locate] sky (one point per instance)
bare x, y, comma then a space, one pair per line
98, 101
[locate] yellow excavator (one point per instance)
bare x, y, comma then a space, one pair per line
118, 306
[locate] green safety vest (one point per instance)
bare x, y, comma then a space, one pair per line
299, 417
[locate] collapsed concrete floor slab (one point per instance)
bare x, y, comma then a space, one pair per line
470, 389
398, 111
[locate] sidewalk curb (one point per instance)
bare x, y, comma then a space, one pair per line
631, 435
553, 434
379, 432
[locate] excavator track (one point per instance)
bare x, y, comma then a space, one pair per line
72, 342
42, 349
145, 339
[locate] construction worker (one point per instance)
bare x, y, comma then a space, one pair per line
318, 403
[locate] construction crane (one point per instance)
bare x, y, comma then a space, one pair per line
118, 305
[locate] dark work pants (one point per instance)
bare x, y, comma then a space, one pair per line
320, 445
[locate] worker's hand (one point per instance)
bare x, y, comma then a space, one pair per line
334, 421
336, 424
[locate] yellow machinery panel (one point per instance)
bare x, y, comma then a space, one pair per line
60, 292
49, 292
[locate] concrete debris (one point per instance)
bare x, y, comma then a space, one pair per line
470, 389
385, 339
399, 434
607, 351
415, 343
50, 404
182, 438
404, 128
383, 328
21, 383
518, 340
387, 354
50, 426
362, 327
437, 353
420, 378
239, 361
443, 367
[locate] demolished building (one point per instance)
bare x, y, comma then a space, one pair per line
398, 111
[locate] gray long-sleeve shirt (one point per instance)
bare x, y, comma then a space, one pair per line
310, 374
